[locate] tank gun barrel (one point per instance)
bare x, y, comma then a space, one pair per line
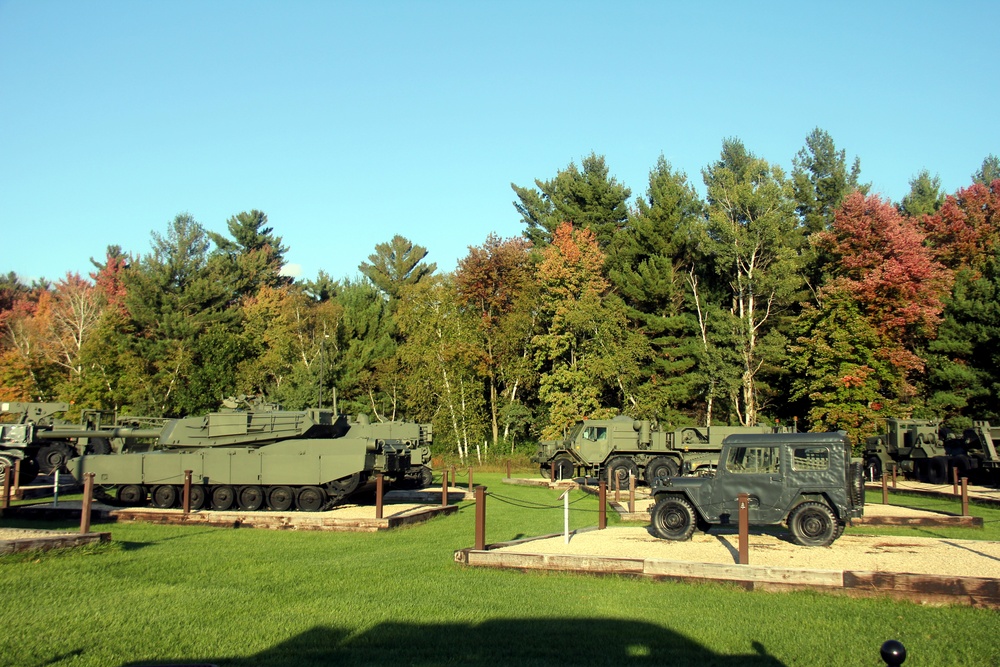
117, 432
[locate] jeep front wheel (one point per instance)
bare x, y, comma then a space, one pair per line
813, 525
673, 519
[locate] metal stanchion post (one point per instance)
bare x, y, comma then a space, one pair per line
602, 514
744, 546
186, 504
965, 496
379, 487
631, 493
88, 498
55, 490
480, 518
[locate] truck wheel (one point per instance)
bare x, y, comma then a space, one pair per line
27, 471
874, 468
857, 483
98, 446
425, 477
563, 468
619, 469
6, 467
813, 525
673, 519
53, 457
937, 470
660, 468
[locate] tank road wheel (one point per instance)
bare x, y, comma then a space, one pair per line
813, 525
197, 497
131, 494
564, 468
223, 497
53, 457
281, 498
310, 499
660, 468
165, 496
619, 469
673, 519
251, 498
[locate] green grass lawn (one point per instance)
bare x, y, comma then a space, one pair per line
241, 597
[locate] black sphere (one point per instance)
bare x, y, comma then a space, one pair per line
893, 652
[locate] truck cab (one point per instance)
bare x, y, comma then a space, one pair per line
805, 479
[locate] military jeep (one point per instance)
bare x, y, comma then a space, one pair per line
805, 479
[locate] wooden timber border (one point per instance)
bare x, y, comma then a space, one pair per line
920, 588
55, 541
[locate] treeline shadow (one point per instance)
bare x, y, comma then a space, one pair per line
587, 641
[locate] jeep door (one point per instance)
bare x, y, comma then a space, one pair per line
755, 470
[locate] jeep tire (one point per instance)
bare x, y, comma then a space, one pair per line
673, 518
813, 525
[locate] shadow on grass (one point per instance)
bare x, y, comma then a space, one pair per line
590, 641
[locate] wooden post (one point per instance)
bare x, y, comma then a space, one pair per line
379, 486
470, 478
954, 480
631, 494
744, 547
552, 472
5, 501
444, 488
965, 496
186, 504
454, 476
885, 489
16, 481
894, 470
618, 489
480, 518
602, 514
508, 469
88, 498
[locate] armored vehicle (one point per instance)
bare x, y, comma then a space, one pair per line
805, 479
925, 450
43, 442
620, 447
256, 456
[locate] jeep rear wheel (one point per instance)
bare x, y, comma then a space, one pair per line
673, 519
813, 525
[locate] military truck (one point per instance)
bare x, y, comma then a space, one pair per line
925, 450
43, 442
807, 480
255, 456
621, 447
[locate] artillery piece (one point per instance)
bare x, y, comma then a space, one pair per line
255, 456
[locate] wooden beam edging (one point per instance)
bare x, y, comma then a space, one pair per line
944, 495
945, 520
938, 589
51, 542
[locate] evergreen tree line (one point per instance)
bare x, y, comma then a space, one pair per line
774, 297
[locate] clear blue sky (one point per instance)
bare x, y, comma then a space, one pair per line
349, 122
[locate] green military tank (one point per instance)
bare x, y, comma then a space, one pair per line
255, 456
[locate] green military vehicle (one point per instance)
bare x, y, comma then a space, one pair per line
43, 442
257, 456
923, 449
807, 480
622, 447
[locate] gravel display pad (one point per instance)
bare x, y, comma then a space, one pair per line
914, 555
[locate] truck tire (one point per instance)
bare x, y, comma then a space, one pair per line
563, 468
857, 484
673, 518
937, 470
619, 469
6, 467
813, 525
661, 467
874, 468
